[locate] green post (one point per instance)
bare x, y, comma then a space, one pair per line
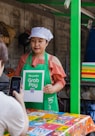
75, 57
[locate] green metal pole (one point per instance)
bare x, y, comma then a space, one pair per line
75, 57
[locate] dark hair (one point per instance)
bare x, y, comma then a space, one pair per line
3, 52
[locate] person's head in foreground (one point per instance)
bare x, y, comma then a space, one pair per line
13, 116
39, 39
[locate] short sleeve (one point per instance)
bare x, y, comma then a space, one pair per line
56, 70
16, 121
12, 117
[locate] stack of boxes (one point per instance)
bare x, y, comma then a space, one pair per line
88, 71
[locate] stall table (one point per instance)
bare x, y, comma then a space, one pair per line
49, 123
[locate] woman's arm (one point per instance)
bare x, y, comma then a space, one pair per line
57, 75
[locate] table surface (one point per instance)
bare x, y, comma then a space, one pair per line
49, 123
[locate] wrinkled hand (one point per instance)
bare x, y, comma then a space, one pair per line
49, 89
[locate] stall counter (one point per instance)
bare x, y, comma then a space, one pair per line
50, 123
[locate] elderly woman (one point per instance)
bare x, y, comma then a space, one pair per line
39, 59
13, 117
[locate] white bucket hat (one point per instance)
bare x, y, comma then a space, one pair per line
41, 32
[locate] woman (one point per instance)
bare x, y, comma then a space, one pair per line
39, 59
13, 117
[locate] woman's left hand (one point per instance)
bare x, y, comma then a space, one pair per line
49, 89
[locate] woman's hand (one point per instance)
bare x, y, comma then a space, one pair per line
49, 89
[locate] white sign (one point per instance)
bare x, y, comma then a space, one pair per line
33, 83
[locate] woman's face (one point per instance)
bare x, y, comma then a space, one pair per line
1, 67
38, 45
